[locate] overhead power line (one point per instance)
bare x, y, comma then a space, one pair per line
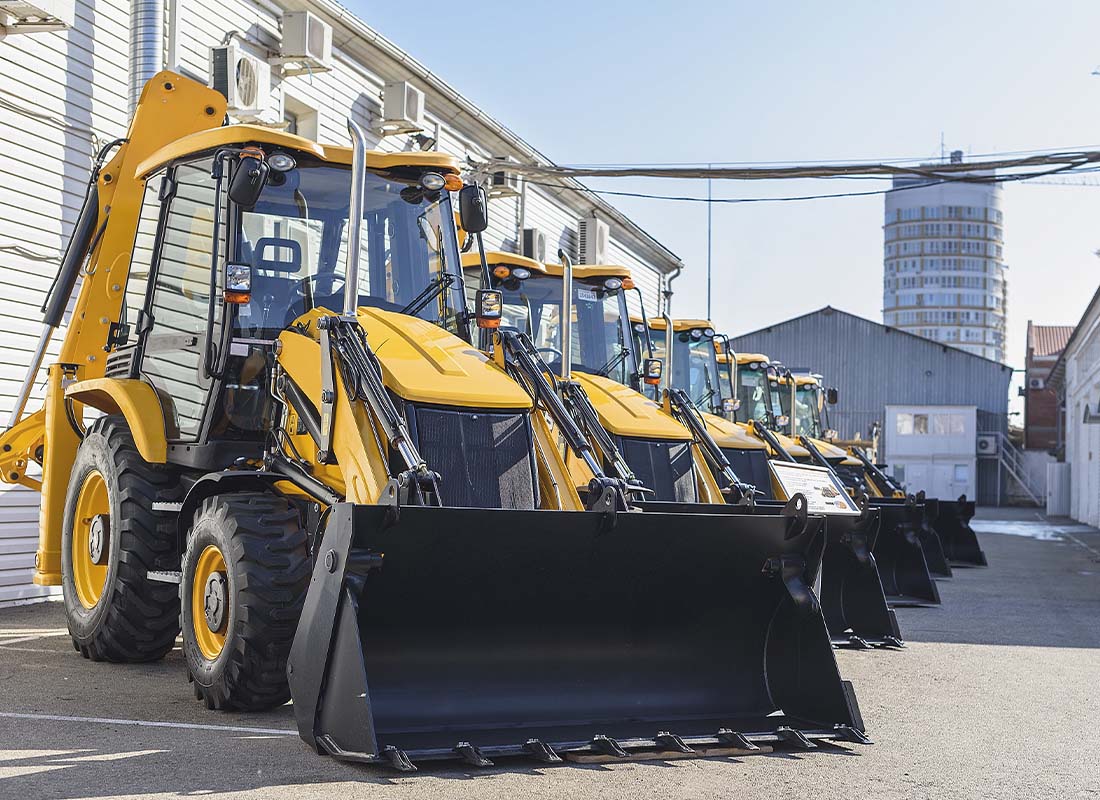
1030, 177
958, 171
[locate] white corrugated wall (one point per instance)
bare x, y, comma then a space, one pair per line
63, 94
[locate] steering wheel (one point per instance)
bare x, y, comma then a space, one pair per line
552, 350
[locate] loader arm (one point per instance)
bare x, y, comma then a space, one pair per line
680, 406
523, 360
340, 386
883, 483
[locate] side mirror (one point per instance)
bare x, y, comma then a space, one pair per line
488, 307
651, 371
832, 395
473, 209
238, 283
249, 180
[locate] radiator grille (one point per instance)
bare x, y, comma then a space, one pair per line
664, 467
486, 460
751, 466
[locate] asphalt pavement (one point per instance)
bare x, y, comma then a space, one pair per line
996, 695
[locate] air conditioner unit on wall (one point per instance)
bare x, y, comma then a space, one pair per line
504, 183
402, 108
243, 78
36, 16
534, 244
306, 43
1036, 383
988, 444
593, 239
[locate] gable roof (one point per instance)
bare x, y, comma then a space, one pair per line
1058, 372
829, 311
1047, 340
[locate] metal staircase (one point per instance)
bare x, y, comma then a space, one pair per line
1011, 460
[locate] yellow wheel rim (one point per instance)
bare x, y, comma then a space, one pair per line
91, 535
210, 602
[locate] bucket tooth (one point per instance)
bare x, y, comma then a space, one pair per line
472, 755
858, 643
670, 741
794, 737
735, 739
892, 641
607, 746
397, 759
850, 734
541, 751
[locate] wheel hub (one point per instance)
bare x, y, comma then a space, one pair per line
215, 601
99, 533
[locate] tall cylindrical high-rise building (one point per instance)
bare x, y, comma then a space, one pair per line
944, 273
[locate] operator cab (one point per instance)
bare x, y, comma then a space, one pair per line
532, 295
243, 231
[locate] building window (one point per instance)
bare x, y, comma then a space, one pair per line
301, 118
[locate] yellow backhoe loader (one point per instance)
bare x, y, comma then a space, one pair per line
305, 461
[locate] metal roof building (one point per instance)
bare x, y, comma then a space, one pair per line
873, 366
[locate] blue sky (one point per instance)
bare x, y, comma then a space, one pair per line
615, 82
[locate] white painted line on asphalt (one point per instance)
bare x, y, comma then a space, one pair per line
1091, 549
35, 637
149, 723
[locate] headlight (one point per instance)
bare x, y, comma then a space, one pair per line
281, 162
708, 332
522, 273
696, 334
639, 327
612, 284
432, 181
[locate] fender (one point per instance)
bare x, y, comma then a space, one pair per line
135, 400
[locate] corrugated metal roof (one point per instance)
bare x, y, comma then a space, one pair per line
873, 365
1047, 340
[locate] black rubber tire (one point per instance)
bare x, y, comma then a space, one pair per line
135, 619
266, 553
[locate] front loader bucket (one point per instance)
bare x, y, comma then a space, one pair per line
852, 596
960, 544
930, 540
900, 556
472, 634
852, 600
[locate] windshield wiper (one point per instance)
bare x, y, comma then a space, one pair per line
705, 398
431, 291
613, 362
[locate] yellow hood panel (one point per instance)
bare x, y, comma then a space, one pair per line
625, 412
423, 363
830, 451
731, 434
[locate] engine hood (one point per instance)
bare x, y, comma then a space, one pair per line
423, 363
625, 412
731, 435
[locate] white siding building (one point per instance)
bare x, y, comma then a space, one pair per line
1075, 377
943, 267
65, 93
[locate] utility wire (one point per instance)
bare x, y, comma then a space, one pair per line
972, 172
1069, 169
